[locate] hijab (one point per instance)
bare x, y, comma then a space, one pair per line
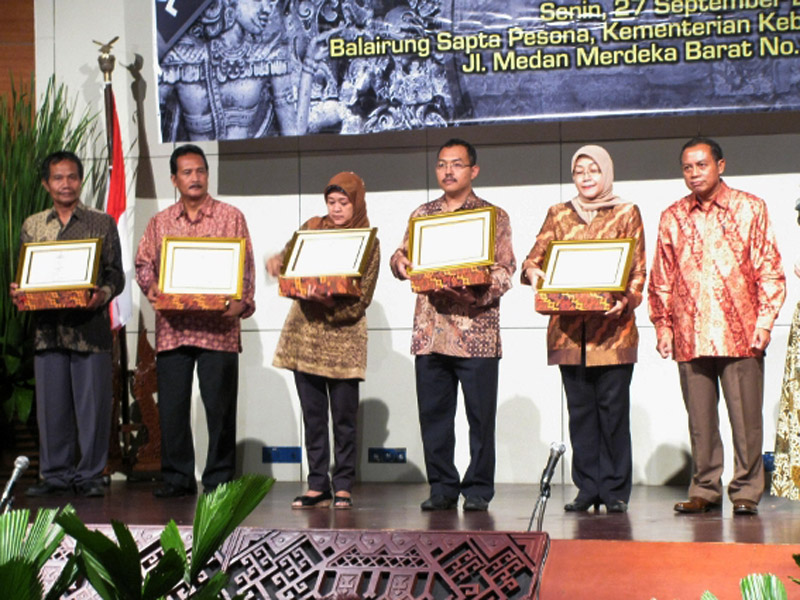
353, 187
585, 207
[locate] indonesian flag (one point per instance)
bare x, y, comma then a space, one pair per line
116, 206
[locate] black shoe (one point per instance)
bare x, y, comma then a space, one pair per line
617, 506
476, 503
581, 505
170, 490
90, 489
46, 488
322, 500
439, 502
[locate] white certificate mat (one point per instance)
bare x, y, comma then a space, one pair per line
202, 266
587, 266
459, 239
45, 266
328, 252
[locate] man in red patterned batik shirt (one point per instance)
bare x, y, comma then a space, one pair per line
209, 340
716, 287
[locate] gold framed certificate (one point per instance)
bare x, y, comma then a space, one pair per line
63, 265
328, 252
452, 240
587, 265
206, 266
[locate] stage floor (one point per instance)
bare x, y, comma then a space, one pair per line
396, 506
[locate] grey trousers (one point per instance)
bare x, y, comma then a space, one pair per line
742, 381
73, 409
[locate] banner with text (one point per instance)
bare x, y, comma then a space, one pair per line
234, 69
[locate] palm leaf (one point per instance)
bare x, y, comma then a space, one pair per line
44, 536
171, 540
708, 596
220, 512
65, 579
13, 527
21, 577
34, 544
762, 586
131, 572
110, 568
211, 590
164, 576
97, 576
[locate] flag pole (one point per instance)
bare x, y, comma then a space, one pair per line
107, 61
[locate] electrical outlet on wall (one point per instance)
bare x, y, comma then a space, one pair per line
386, 455
281, 454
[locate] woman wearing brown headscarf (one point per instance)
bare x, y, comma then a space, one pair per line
324, 342
595, 351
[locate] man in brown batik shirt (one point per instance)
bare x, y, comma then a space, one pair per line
456, 339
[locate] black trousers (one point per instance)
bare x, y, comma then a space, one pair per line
598, 400
218, 374
315, 392
438, 376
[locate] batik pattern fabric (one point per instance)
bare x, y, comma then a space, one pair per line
717, 275
786, 477
329, 341
592, 338
443, 326
78, 329
202, 329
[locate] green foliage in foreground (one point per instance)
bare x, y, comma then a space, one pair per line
114, 569
24, 550
757, 586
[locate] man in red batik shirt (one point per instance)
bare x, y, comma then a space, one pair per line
209, 340
716, 287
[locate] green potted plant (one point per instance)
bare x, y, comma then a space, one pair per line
28, 133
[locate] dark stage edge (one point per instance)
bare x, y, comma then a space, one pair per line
396, 506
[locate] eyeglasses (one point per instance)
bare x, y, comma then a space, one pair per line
456, 165
590, 171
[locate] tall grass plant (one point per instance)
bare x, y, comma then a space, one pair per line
28, 133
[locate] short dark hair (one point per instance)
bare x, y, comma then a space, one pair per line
183, 151
716, 149
471, 152
57, 157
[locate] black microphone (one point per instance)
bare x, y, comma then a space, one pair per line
556, 450
20, 466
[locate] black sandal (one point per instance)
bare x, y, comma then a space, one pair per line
342, 502
322, 500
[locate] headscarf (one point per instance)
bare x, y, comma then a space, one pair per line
353, 187
585, 207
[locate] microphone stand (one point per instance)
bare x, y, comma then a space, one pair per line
540, 506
